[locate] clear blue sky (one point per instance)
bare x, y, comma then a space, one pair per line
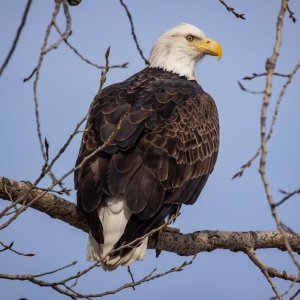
66, 88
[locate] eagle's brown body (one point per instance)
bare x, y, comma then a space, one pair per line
159, 159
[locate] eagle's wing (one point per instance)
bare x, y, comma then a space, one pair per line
161, 156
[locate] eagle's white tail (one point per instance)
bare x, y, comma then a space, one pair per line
114, 215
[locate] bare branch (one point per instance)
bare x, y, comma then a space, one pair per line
271, 271
57, 270
246, 165
50, 173
295, 295
264, 269
131, 276
37, 73
30, 76
124, 65
255, 75
290, 77
9, 247
288, 195
291, 14
133, 33
287, 290
67, 32
11, 51
39, 65
74, 295
231, 9
248, 91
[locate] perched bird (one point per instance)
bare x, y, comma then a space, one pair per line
164, 141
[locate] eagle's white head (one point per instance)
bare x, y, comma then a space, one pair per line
179, 49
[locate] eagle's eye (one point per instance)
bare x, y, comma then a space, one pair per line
190, 38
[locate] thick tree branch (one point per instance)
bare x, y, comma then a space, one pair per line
52, 205
181, 244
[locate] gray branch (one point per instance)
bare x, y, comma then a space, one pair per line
181, 244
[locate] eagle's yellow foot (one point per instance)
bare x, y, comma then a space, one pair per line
166, 229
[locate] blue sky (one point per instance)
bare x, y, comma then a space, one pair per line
66, 87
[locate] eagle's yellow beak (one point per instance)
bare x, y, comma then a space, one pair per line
210, 47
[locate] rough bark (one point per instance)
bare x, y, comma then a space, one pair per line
181, 244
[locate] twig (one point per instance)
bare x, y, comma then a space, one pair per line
30, 76
75, 282
132, 279
248, 91
12, 49
255, 75
290, 77
37, 73
124, 65
74, 295
295, 295
67, 32
246, 165
63, 191
265, 270
78, 274
103, 76
231, 9
9, 247
50, 173
287, 228
42, 53
55, 271
287, 290
133, 33
291, 14
288, 195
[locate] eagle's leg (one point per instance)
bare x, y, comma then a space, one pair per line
165, 228
156, 235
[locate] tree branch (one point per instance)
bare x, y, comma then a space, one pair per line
231, 9
270, 66
181, 244
133, 33
13, 47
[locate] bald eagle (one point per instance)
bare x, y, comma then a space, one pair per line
159, 158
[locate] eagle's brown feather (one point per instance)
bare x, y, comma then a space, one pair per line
160, 158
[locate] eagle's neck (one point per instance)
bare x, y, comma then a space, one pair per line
175, 60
